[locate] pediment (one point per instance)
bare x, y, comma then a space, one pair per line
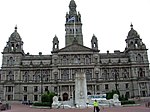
75, 48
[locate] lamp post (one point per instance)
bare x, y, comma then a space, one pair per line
41, 85
116, 80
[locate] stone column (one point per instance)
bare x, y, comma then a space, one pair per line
60, 91
69, 91
13, 88
4, 97
139, 89
147, 88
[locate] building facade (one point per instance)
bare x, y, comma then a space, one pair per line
25, 77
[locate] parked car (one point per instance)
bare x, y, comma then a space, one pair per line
3, 106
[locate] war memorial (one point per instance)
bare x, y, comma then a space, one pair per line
75, 71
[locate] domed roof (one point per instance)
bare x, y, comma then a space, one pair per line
15, 35
132, 32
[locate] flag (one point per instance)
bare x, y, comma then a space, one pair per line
72, 18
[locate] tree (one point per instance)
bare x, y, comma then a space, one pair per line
48, 97
110, 94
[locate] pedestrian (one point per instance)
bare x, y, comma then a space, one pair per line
96, 106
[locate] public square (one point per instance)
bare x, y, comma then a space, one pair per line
15, 107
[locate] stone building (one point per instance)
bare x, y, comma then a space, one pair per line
25, 77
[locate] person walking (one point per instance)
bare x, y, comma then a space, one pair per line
96, 106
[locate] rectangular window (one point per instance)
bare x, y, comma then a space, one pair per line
106, 87
9, 89
35, 88
25, 97
25, 89
46, 88
127, 86
35, 97
55, 89
97, 87
127, 95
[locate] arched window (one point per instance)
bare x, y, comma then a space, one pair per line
10, 76
141, 73
125, 74
70, 30
105, 75
65, 75
12, 47
36, 76
64, 60
87, 59
76, 60
139, 58
74, 74
45, 76
132, 45
88, 74
26, 77
10, 61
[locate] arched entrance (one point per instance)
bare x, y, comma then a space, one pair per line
65, 97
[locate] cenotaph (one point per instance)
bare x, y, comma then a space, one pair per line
80, 90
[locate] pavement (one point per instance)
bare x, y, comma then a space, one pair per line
15, 107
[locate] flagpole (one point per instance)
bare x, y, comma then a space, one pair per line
74, 28
73, 18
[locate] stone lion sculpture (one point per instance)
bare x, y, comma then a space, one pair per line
56, 103
55, 100
115, 97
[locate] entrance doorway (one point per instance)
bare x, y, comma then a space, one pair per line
65, 97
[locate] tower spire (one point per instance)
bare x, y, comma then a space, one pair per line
16, 28
72, 7
131, 25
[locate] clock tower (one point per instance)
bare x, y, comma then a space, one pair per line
73, 27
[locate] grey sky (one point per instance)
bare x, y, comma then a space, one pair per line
39, 21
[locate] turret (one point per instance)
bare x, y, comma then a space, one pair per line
13, 51
133, 40
135, 48
55, 43
94, 43
15, 43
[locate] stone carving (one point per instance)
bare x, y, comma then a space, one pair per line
115, 101
115, 97
56, 103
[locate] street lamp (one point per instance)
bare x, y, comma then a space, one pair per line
116, 80
41, 85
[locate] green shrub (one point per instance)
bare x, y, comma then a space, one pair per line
110, 94
42, 104
127, 102
47, 99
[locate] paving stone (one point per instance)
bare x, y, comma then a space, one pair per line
26, 108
